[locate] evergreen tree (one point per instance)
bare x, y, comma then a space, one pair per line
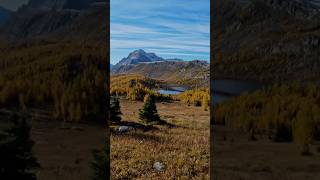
100, 164
17, 160
115, 111
149, 111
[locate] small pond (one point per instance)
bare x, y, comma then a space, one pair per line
172, 90
222, 89
225, 89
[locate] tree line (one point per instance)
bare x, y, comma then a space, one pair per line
196, 97
289, 112
70, 77
136, 87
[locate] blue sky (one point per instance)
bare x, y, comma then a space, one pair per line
169, 28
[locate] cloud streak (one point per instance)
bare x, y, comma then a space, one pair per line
170, 28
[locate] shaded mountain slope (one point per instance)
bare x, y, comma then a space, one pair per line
268, 40
58, 20
194, 73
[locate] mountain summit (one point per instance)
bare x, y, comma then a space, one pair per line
136, 57
140, 56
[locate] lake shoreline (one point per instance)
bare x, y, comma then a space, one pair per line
224, 89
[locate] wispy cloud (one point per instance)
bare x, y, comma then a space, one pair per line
168, 28
123, 29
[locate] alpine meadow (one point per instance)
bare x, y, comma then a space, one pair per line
159, 89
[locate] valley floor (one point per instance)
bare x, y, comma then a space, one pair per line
238, 158
182, 145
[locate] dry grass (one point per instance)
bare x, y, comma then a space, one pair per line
64, 153
184, 149
236, 158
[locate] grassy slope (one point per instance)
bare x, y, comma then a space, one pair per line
238, 158
184, 149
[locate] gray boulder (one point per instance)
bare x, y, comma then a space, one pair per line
158, 166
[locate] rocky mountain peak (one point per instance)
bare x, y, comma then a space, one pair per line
139, 56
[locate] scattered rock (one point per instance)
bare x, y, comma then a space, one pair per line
158, 166
123, 129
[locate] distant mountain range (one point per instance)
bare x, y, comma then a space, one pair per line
193, 73
4, 15
267, 40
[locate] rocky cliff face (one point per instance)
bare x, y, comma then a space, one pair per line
269, 40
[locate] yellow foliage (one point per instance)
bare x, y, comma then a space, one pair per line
54, 73
135, 87
197, 97
289, 111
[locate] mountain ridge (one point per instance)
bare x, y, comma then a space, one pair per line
137, 57
193, 73
49, 19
